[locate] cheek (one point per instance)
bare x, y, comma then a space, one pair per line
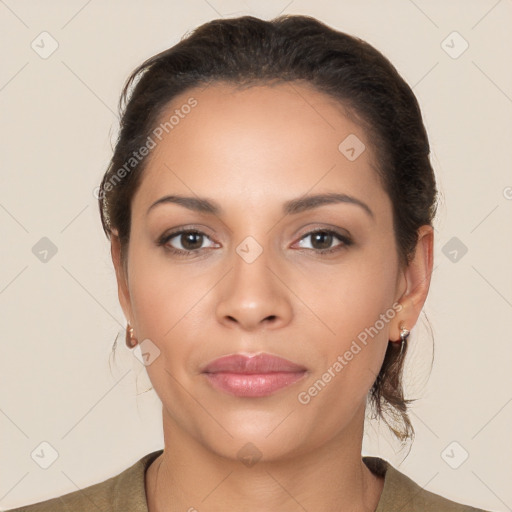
161, 300
170, 307
160, 292
349, 297
351, 356
356, 305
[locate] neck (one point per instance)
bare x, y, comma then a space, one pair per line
189, 477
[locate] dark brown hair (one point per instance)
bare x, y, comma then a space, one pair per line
291, 48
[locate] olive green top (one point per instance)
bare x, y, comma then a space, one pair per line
126, 492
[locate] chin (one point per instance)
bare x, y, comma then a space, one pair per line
263, 437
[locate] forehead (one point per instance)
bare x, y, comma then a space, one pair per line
258, 144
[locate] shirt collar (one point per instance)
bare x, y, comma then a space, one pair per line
130, 488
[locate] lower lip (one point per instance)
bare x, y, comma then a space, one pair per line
253, 385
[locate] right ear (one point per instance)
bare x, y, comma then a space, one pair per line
121, 276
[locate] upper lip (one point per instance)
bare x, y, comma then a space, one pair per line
260, 363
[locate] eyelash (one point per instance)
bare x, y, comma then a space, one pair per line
164, 239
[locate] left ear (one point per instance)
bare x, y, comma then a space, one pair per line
415, 281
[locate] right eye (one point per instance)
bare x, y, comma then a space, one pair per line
189, 242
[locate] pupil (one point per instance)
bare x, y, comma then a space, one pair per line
324, 236
189, 237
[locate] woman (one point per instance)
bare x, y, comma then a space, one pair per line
269, 205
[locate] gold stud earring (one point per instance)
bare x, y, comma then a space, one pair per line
404, 334
131, 341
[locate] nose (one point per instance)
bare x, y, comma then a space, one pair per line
254, 296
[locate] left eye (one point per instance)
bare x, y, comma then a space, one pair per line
321, 240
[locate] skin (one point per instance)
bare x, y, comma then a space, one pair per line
250, 151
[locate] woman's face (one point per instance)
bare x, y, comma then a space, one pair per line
256, 280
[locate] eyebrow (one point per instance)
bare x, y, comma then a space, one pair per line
291, 207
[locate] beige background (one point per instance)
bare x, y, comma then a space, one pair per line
60, 317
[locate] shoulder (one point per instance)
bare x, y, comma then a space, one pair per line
125, 491
401, 493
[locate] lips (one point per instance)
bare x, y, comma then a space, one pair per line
260, 363
255, 376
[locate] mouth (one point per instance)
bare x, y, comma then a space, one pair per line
256, 376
